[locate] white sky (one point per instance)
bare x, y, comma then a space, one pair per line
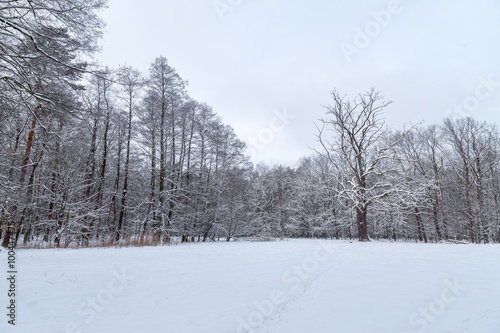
273, 56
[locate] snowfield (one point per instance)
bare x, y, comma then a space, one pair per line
281, 287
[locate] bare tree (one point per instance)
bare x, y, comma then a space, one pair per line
132, 83
167, 86
358, 136
474, 157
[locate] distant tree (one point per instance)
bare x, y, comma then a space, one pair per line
422, 167
132, 82
166, 88
474, 155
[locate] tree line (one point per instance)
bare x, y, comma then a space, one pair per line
92, 156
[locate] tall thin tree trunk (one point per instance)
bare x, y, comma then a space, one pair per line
161, 185
29, 143
126, 172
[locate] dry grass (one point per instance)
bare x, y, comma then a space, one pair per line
127, 241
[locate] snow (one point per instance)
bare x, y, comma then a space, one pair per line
284, 286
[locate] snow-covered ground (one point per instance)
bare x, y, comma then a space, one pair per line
280, 287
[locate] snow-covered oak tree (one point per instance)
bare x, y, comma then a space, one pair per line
357, 149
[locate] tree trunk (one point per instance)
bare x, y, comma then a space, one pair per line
361, 223
421, 230
29, 144
126, 176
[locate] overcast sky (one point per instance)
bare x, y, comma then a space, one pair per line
268, 66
